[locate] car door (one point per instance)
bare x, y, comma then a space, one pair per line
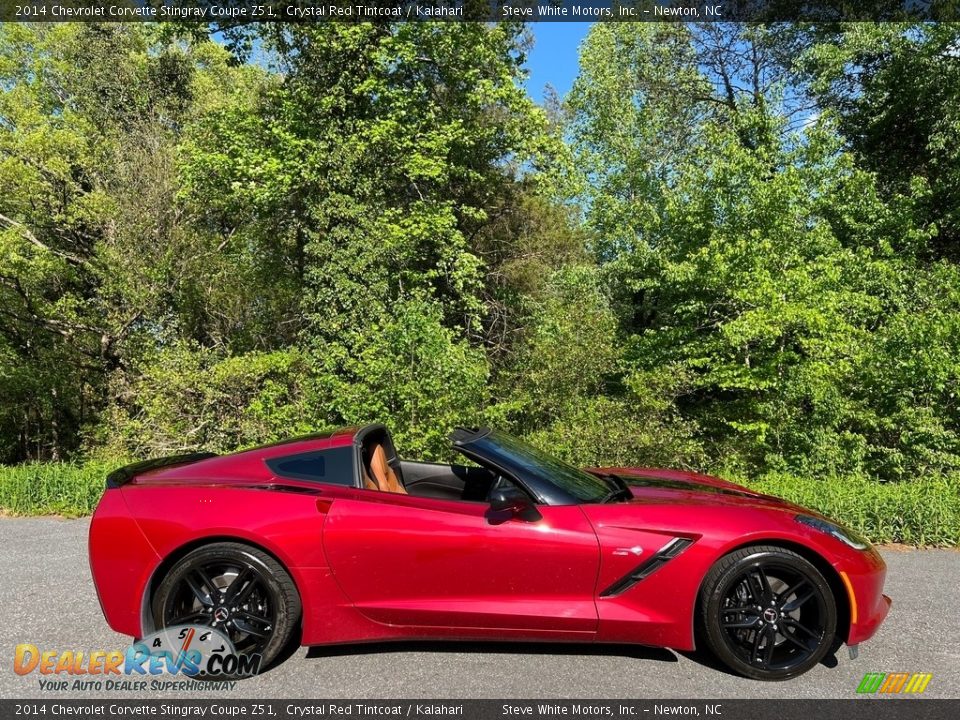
427, 562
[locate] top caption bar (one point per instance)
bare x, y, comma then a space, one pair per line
234, 12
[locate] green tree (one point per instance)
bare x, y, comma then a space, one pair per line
895, 91
58, 136
100, 261
379, 157
755, 262
410, 372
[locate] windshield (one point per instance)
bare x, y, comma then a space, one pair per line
512, 454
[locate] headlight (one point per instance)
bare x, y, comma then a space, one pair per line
840, 533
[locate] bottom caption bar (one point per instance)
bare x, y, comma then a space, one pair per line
854, 709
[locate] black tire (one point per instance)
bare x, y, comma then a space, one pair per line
262, 612
767, 613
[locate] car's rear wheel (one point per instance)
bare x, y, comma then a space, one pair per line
768, 613
237, 589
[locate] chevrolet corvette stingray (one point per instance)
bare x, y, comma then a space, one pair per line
333, 538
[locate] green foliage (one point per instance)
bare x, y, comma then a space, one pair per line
52, 210
924, 511
187, 398
895, 90
68, 489
376, 159
411, 372
606, 432
731, 246
564, 384
761, 264
95, 253
567, 354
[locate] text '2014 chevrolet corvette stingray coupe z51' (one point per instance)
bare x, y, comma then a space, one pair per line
334, 539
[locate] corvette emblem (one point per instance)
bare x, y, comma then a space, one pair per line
635, 550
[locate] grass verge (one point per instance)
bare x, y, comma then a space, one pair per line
922, 512
65, 489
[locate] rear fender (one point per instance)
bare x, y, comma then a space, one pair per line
287, 524
121, 563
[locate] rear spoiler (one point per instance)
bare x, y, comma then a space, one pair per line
125, 474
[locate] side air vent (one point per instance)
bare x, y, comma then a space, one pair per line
649, 566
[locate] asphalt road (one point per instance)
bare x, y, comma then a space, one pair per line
47, 598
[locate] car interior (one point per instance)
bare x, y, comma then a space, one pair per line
383, 470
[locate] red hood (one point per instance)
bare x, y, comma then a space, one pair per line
660, 485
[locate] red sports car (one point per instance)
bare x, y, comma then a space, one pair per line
334, 538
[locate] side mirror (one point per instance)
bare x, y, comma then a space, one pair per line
512, 501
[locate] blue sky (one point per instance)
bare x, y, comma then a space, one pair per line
554, 56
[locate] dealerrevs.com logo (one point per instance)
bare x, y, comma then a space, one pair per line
894, 683
194, 652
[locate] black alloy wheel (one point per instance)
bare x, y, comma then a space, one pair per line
768, 613
241, 591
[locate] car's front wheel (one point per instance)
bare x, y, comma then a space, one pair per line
237, 589
768, 613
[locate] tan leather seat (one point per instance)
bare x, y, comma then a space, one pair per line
382, 477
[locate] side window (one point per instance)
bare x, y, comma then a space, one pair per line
334, 466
